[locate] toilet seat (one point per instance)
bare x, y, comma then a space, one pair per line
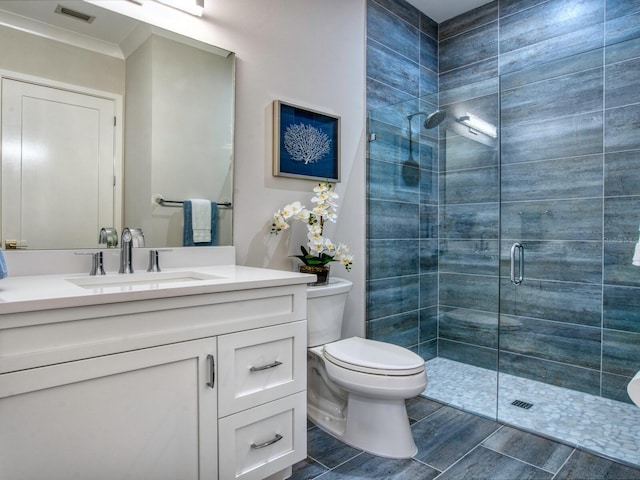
373, 357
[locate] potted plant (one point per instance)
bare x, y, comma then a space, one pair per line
320, 250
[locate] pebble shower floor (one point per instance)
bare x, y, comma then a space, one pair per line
603, 426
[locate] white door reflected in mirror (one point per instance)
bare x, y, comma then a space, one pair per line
58, 166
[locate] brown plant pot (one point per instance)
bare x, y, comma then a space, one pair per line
321, 272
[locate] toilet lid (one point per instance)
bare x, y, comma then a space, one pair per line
370, 356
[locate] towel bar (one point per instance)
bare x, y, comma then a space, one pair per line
178, 203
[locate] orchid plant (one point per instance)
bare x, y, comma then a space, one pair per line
321, 250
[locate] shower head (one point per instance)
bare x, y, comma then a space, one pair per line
433, 119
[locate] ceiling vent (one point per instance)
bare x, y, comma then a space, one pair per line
75, 14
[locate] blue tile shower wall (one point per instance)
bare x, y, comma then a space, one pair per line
560, 77
569, 113
402, 79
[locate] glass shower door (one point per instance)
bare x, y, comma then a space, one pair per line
465, 372
568, 342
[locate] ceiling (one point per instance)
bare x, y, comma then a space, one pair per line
109, 33
441, 10
108, 26
103, 27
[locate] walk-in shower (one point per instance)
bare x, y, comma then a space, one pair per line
515, 282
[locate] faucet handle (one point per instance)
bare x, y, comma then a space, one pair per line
97, 262
154, 259
154, 265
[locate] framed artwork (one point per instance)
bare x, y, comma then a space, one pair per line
306, 143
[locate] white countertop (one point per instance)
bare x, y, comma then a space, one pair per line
43, 292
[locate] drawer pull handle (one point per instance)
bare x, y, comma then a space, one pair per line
265, 367
277, 438
212, 371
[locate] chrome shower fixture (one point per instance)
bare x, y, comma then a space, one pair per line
478, 125
433, 119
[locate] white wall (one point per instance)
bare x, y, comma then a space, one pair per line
307, 52
29, 54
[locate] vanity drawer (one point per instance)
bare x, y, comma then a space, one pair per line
261, 365
263, 440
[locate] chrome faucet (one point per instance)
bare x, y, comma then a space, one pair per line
126, 252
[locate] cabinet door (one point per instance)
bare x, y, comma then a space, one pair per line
145, 414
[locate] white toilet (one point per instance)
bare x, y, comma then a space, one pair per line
357, 387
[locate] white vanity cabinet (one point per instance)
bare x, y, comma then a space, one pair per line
204, 386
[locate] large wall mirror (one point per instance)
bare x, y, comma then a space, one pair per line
103, 118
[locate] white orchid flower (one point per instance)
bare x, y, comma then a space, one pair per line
321, 187
321, 197
314, 238
303, 214
329, 246
347, 261
292, 209
320, 211
325, 209
314, 229
316, 244
331, 216
279, 223
342, 249
283, 226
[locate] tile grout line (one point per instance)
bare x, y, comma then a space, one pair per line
479, 444
339, 465
457, 461
431, 414
564, 463
319, 462
427, 465
520, 460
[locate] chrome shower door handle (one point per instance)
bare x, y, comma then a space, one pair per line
517, 247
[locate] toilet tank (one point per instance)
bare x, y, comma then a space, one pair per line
325, 309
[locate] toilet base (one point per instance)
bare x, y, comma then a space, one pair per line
380, 427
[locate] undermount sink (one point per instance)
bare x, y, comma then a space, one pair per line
141, 279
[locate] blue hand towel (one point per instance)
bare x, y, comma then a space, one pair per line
3, 266
187, 230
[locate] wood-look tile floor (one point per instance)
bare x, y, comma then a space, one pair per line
455, 445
